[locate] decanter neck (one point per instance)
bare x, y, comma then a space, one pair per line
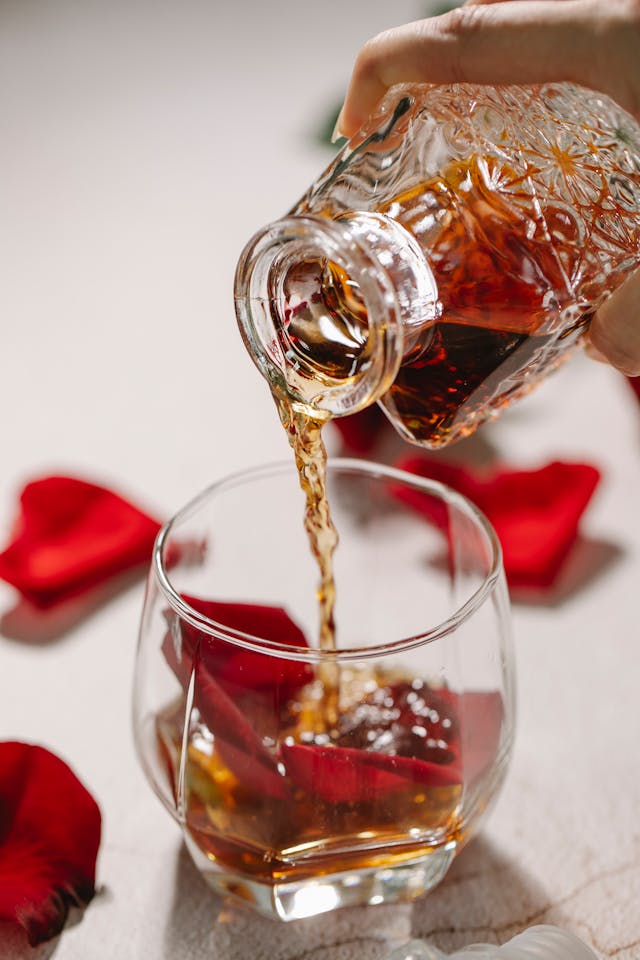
329, 308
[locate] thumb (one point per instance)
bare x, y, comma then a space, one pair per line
615, 330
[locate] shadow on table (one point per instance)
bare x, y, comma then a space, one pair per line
27, 623
14, 945
587, 560
484, 897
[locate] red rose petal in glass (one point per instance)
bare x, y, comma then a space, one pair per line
254, 774
72, 535
49, 838
236, 668
345, 775
226, 674
175, 652
535, 513
236, 740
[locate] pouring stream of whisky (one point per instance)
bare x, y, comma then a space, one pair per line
304, 433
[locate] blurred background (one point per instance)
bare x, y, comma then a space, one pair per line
143, 143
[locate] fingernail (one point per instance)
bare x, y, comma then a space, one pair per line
337, 130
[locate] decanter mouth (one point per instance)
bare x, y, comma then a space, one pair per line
329, 308
319, 314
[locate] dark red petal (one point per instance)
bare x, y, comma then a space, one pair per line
252, 772
238, 691
236, 668
361, 431
49, 838
535, 513
70, 536
236, 740
345, 775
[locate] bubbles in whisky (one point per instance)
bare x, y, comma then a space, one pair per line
377, 793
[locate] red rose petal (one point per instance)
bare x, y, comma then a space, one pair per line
236, 693
345, 775
226, 674
235, 667
72, 535
236, 740
535, 513
361, 431
49, 838
252, 772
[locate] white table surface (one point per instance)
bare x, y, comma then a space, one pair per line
142, 143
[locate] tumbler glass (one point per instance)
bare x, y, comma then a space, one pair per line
305, 779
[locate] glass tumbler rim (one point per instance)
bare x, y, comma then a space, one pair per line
248, 641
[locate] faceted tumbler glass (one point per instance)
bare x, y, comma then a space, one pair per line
306, 779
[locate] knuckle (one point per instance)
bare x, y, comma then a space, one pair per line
459, 30
371, 56
367, 56
461, 21
370, 50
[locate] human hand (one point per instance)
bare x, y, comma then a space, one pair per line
520, 41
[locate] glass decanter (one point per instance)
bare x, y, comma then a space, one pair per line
450, 256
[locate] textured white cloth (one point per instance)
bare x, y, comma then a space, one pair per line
143, 143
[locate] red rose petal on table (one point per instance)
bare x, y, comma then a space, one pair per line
72, 535
49, 838
361, 431
535, 513
346, 775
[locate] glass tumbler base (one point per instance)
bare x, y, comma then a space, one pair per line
295, 899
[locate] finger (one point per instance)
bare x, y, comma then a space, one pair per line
615, 329
480, 3
522, 41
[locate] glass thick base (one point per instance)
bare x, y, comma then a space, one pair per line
293, 900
